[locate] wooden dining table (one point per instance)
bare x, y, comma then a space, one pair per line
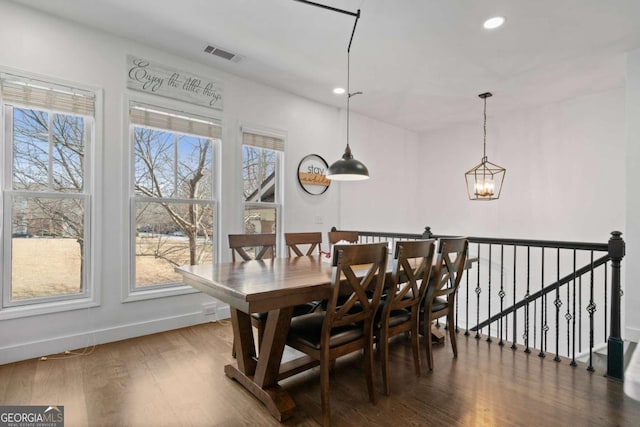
274, 286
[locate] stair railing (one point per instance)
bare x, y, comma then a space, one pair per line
553, 296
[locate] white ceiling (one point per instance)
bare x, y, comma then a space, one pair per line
420, 63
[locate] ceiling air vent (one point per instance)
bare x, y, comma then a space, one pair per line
222, 53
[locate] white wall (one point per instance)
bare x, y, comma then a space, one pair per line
632, 235
565, 175
387, 200
44, 45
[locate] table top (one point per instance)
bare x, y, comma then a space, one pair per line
257, 286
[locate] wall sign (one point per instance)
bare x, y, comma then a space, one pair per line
149, 77
312, 171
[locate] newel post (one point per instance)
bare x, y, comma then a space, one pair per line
615, 345
427, 234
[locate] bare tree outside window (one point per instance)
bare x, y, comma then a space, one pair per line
48, 154
259, 189
258, 165
174, 211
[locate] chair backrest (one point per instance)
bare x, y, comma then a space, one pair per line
349, 236
314, 240
449, 267
412, 264
264, 245
370, 259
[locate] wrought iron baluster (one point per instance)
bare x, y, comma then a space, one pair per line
580, 313
568, 317
535, 322
591, 308
558, 304
543, 312
526, 307
514, 344
478, 291
466, 332
573, 354
489, 296
457, 309
501, 294
606, 303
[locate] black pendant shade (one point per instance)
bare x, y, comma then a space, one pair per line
347, 168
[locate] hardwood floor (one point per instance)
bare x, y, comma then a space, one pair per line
176, 379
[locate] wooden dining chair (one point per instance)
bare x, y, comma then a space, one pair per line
264, 246
440, 295
295, 247
337, 236
400, 310
342, 329
293, 240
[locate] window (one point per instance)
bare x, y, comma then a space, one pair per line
173, 195
261, 160
48, 140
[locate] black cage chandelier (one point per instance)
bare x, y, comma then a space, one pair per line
484, 181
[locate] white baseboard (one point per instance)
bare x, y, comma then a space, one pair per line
632, 334
224, 312
61, 344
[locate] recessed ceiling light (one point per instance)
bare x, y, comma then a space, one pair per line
494, 22
339, 90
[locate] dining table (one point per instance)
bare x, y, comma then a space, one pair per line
274, 286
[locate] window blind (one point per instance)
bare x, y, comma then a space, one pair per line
156, 117
268, 142
39, 94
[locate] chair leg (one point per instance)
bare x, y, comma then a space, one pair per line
427, 339
452, 333
383, 346
415, 343
324, 391
233, 348
368, 361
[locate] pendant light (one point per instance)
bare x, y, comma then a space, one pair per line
346, 168
484, 181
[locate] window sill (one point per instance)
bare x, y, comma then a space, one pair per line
142, 295
46, 308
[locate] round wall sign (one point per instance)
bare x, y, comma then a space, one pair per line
312, 171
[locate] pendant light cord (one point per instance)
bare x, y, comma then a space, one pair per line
349, 94
485, 130
348, 78
484, 96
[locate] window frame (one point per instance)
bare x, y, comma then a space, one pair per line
279, 199
91, 196
130, 292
